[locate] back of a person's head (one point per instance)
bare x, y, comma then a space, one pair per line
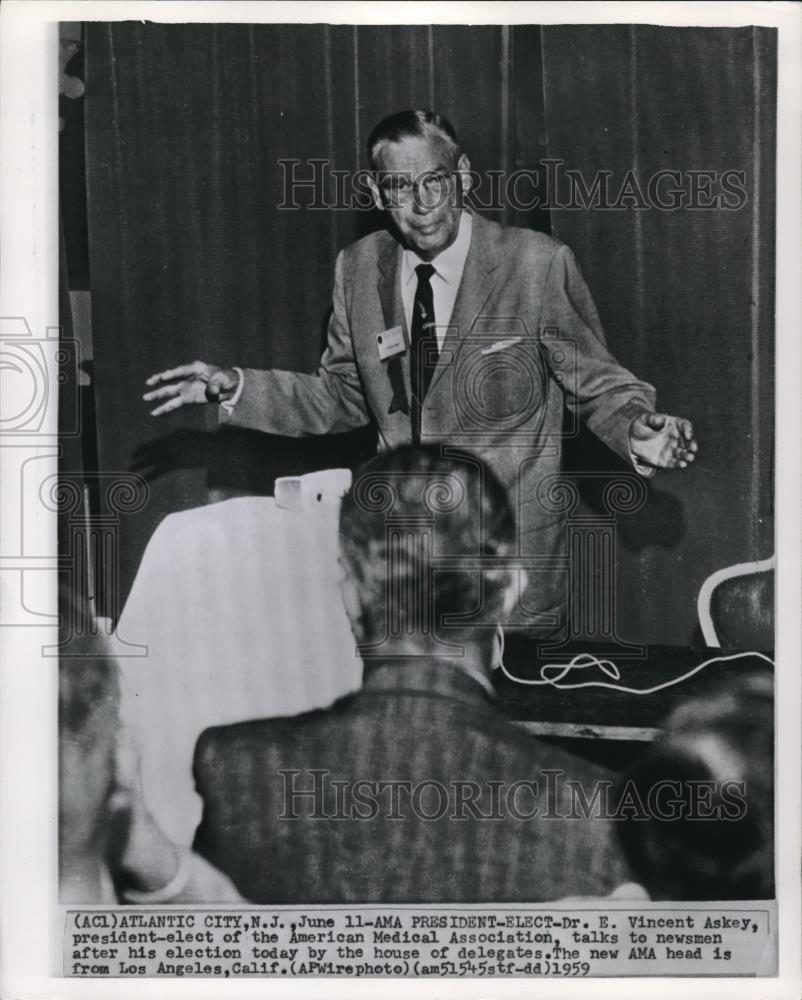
413, 530
708, 783
88, 724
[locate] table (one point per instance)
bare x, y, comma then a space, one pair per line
587, 707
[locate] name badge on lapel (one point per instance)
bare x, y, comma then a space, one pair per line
391, 343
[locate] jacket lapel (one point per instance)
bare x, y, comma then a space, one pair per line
389, 285
474, 290
393, 312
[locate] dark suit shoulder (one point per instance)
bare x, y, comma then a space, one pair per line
254, 775
239, 736
388, 722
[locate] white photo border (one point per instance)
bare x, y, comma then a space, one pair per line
28, 287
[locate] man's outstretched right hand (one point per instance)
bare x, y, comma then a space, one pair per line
195, 383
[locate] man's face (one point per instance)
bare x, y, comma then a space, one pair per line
418, 183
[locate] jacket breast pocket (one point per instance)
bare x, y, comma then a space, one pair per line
499, 385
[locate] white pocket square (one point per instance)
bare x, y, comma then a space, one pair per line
500, 345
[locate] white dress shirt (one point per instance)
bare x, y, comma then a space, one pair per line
448, 267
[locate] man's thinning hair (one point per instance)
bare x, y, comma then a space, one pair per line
407, 512
416, 122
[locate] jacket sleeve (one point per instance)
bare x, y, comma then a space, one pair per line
296, 404
605, 395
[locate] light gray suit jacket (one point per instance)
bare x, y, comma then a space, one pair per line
524, 348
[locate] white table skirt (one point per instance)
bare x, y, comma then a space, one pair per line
239, 608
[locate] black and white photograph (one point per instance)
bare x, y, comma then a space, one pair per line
414, 585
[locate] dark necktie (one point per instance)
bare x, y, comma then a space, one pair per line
424, 345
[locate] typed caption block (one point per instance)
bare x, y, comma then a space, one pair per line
430, 942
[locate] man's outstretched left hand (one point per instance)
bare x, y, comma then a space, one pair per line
662, 441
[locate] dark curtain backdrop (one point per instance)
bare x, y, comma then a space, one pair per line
190, 255
686, 296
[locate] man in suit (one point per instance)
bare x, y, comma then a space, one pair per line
416, 788
451, 329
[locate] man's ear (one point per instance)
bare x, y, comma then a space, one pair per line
353, 605
464, 171
510, 583
374, 190
514, 584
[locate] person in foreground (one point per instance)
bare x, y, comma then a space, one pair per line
451, 328
110, 847
416, 788
715, 764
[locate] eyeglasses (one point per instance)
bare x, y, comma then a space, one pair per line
398, 189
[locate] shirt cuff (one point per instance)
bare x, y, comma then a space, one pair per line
647, 471
229, 404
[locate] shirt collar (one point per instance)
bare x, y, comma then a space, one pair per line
449, 264
432, 676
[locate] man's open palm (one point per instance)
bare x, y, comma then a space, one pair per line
662, 441
187, 384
